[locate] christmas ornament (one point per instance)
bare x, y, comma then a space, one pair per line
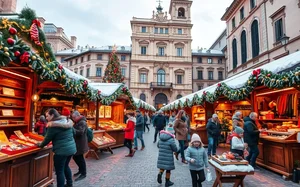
85, 83
12, 31
60, 66
11, 41
33, 57
6, 53
269, 75
34, 32
5, 49
204, 93
256, 73
17, 53
219, 84
99, 92
124, 89
25, 57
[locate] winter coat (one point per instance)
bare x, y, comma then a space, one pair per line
240, 123
213, 129
181, 130
40, 127
200, 157
167, 147
237, 143
172, 119
251, 132
159, 122
139, 126
62, 137
80, 136
129, 130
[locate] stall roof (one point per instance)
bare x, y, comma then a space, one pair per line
107, 89
241, 80
142, 104
74, 75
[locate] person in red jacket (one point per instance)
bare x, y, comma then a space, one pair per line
129, 133
40, 126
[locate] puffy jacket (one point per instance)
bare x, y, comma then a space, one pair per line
139, 126
80, 136
61, 137
129, 130
251, 132
181, 130
159, 122
213, 129
40, 127
167, 147
200, 157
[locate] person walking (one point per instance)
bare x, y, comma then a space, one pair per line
139, 130
181, 131
159, 123
41, 125
238, 118
80, 136
251, 137
237, 143
213, 131
63, 146
165, 160
129, 133
147, 121
172, 117
197, 159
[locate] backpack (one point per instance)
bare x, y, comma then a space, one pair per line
90, 134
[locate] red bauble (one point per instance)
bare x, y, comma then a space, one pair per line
85, 83
269, 75
219, 84
12, 31
204, 93
124, 89
10, 41
60, 66
17, 53
99, 92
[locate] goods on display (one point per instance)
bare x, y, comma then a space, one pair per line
111, 125
229, 158
103, 140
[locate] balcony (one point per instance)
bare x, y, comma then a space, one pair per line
161, 85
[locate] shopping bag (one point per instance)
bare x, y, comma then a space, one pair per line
208, 176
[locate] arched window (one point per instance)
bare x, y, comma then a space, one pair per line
181, 12
143, 97
161, 77
255, 39
179, 96
244, 47
234, 54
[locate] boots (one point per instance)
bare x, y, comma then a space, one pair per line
168, 183
159, 180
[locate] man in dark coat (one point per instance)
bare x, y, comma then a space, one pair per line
159, 123
213, 131
251, 137
139, 130
80, 136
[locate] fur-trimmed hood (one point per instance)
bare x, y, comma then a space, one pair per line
62, 122
133, 119
165, 135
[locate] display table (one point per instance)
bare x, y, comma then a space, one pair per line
231, 173
30, 168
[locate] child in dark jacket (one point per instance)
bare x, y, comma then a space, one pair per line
40, 126
197, 158
167, 147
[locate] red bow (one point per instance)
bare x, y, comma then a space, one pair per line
256, 73
25, 57
37, 22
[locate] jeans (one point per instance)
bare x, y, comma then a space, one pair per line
156, 133
128, 144
146, 126
253, 153
197, 177
80, 161
62, 170
212, 145
138, 135
181, 148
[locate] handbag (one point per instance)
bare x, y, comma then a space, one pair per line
208, 176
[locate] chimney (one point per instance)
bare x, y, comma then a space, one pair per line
73, 40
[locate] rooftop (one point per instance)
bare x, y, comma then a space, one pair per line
207, 52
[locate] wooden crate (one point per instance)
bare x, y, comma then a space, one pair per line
229, 162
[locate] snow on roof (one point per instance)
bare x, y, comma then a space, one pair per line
73, 75
107, 89
207, 52
239, 80
139, 103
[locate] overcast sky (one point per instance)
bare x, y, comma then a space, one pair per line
99, 22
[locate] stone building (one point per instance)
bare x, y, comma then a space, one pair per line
260, 31
8, 6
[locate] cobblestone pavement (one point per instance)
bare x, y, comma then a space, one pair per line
141, 171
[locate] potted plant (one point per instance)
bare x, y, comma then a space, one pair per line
296, 171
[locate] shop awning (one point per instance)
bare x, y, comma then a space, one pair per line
275, 75
142, 104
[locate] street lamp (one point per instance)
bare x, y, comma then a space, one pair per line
284, 40
35, 98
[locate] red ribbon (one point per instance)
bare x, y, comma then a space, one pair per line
37, 22
256, 73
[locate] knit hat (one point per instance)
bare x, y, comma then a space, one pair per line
195, 138
65, 112
239, 130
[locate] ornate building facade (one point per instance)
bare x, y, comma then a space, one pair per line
161, 59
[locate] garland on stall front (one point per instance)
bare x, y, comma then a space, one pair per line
258, 77
42, 59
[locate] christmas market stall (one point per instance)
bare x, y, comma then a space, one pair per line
143, 106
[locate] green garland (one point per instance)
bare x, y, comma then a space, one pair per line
13, 49
258, 77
